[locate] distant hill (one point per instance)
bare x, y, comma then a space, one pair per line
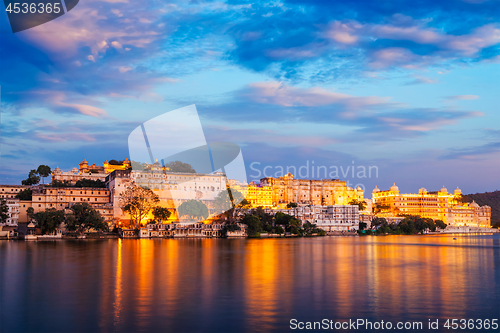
491, 199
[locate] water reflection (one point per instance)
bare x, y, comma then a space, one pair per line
245, 285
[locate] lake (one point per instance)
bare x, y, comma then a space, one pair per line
246, 285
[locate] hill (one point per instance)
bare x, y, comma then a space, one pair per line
491, 199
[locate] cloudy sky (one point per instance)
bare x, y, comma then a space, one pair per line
411, 87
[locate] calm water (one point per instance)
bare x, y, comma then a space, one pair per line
220, 285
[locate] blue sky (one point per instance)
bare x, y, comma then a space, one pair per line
408, 86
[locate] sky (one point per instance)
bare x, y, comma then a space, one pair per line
408, 88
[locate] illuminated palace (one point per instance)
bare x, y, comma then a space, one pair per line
256, 194
438, 205
325, 192
93, 172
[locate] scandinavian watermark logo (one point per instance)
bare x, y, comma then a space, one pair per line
176, 138
26, 14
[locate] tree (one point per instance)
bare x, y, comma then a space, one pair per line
84, 218
49, 220
4, 211
254, 224
194, 209
283, 219
32, 179
378, 221
138, 203
161, 213
224, 203
362, 225
291, 205
440, 224
178, 166
25, 194
279, 230
380, 208
43, 171
360, 203
85, 182
31, 213
59, 183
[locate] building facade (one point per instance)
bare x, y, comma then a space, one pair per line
325, 192
64, 197
437, 205
12, 213
329, 218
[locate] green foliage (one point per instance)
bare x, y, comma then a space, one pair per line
230, 227
223, 203
161, 213
59, 183
178, 166
254, 224
379, 221
32, 179
194, 209
4, 210
279, 230
440, 224
115, 162
84, 218
361, 204
85, 182
291, 205
362, 225
25, 194
410, 225
49, 220
258, 221
43, 171
263, 216
31, 213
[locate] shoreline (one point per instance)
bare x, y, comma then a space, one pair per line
103, 237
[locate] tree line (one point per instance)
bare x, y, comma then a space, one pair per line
409, 225
258, 221
82, 218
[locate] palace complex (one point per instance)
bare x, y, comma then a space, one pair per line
326, 202
438, 205
325, 192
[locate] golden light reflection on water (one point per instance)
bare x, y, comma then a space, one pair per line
261, 283
410, 277
118, 283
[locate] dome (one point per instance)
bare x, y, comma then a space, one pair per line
458, 191
394, 188
444, 189
474, 204
359, 189
422, 190
349, 188
376, 189
56, 170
